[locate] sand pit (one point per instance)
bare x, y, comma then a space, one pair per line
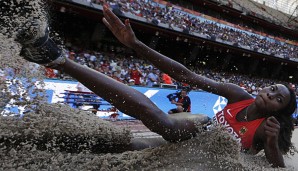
23, 143
293, 160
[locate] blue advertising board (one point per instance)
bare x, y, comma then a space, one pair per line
201, 102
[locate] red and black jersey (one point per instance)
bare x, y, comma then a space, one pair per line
186, 103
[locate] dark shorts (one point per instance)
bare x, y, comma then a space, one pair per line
174, 110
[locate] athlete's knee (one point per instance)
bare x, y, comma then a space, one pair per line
179, 109
170, 112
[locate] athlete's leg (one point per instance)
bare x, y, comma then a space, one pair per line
130, 102
43, 50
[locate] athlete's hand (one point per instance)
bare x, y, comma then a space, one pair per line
272, 128
122, 31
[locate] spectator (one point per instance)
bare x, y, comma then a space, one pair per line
166, 79
183, 103
154, 21
49, 72
116, 76
185, 29
116, 8
136, 74
152, 78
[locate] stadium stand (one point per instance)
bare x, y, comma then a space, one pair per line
162, 14
176, 17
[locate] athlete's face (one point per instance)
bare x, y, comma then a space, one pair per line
273, 98
183, 93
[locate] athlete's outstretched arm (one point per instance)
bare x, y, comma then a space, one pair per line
125, 35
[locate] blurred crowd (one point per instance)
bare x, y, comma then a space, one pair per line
174, 18
133, 71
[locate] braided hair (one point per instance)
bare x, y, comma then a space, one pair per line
284, 117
